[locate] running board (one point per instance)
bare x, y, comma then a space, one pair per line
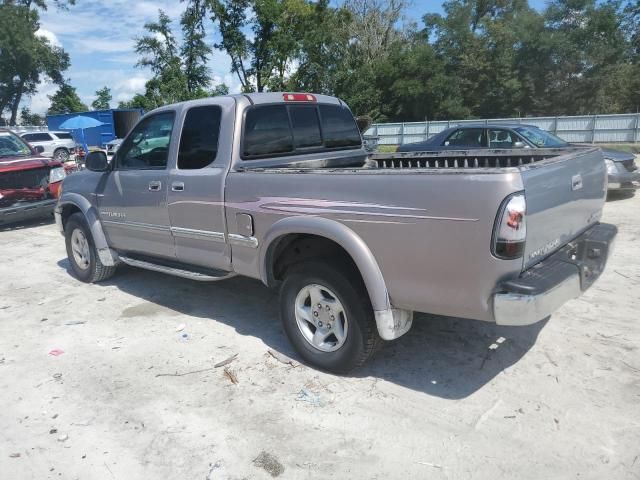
177, 272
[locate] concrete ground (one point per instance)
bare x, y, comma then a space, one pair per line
133, 395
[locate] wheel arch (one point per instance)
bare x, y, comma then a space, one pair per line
71, 203
283, 232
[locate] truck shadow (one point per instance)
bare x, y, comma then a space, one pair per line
445, 357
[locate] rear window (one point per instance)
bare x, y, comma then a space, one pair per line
276, 130
306, 126
339, 127
64, 136
267, 132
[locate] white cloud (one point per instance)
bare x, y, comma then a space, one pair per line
103, 45
53, 39
39, 103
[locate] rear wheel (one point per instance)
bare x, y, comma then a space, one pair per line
61, 154
327, 316
82, 252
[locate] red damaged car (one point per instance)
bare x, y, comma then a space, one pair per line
29, 183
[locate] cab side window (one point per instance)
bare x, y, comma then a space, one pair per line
466, 137
147, 146
199, 140
499, 138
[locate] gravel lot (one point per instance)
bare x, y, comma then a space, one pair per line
557, 400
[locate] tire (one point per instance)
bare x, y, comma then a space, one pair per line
82, 253
61, 154
351, 339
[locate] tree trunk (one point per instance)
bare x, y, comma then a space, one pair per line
16, 103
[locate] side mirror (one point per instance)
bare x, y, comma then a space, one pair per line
519, 145
97, 162
39, 149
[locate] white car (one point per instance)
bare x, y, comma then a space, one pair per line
58, 145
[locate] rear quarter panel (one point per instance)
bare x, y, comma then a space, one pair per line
429, 231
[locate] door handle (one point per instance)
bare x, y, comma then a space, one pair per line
177, 187
155, 186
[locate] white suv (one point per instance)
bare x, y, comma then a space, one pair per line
59, 145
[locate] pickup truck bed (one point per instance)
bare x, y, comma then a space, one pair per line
376, 238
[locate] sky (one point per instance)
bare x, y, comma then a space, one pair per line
99, 37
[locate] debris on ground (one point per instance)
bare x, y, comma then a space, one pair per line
180, 327
231, 375
63, 438
14, 455
57, 376
212, 468
283, 358
56, 352
311, 397
227, 361
429, 464
183, 374
52, 431
76, 322
270, 463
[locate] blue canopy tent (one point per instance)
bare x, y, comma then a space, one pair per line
80, 122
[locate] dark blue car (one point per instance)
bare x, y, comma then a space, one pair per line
621, 167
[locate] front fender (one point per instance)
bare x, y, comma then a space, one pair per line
90, 212
391, 322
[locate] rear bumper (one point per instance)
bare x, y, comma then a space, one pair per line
545, 287
624, 180
26, 211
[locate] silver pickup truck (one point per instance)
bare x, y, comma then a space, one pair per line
277, 187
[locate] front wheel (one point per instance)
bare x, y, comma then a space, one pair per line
61, 154
327, 316
82, 252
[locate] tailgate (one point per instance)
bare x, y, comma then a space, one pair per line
564, 196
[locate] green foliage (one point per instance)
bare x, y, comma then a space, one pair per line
28, 118
25, 58
103, 97
66, 100
180, 71
261, 59
479, 58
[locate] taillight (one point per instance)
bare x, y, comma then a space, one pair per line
510, 230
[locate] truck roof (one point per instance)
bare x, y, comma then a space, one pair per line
262, 98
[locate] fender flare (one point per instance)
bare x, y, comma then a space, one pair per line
107, 256
340, 234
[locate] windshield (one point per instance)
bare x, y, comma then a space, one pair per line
12, 146
541, 138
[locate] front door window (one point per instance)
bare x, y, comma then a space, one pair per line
147, 147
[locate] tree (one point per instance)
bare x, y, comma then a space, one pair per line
194, 51
28, 118
103, 98
263, 57
66, 100
25, 58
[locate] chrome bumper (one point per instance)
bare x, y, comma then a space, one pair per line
545, 287
516, 309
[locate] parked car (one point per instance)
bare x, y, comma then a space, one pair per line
622, 170
57, 145
112, 147
277, 187
29, 182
